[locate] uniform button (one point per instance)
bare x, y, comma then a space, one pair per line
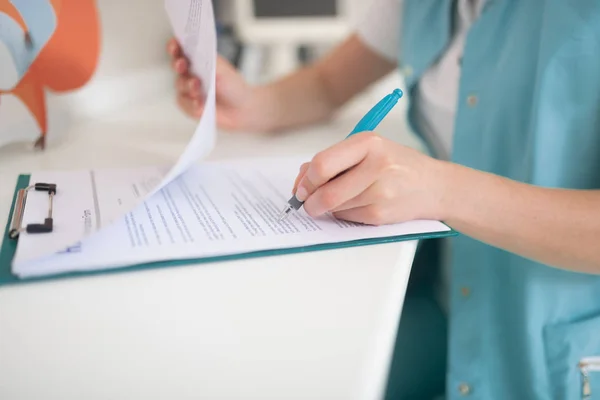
472, 100
464, 389
408, 71
465, 291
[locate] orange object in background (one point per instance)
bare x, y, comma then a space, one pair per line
66, 63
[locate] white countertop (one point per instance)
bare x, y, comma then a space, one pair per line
318, 325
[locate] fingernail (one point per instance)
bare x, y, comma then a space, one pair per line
301, 193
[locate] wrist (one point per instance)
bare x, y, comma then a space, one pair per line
449, 190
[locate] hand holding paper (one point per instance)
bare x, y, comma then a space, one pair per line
237, 107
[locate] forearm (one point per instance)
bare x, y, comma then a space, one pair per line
316, 92
556, 227
296, 100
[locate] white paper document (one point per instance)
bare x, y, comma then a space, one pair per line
213, 209
194, 27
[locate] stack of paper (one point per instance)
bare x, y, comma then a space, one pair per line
211, 210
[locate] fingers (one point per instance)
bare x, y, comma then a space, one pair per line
303, 169
370, 207
370, 215
333, 161
341, 189
189, 95
182, 84
186, 84
179, 62
376, 193
191, 106
173, 48
180, 65
189, 86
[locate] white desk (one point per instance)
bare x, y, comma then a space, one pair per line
309, 326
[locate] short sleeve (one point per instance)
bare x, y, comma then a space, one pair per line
381, 26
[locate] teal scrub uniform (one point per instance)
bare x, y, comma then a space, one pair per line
529, 110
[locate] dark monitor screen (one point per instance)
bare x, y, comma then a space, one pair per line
294, 8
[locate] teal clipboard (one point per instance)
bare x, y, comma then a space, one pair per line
9, 247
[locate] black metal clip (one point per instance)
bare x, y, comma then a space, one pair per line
16, 227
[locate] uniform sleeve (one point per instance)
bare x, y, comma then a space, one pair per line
381, 26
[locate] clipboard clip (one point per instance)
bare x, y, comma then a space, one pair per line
16, 227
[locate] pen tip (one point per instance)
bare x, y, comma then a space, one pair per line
283, 213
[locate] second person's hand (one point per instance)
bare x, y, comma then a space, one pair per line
237, 108
381, 182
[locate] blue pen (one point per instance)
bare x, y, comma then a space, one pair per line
368, 123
